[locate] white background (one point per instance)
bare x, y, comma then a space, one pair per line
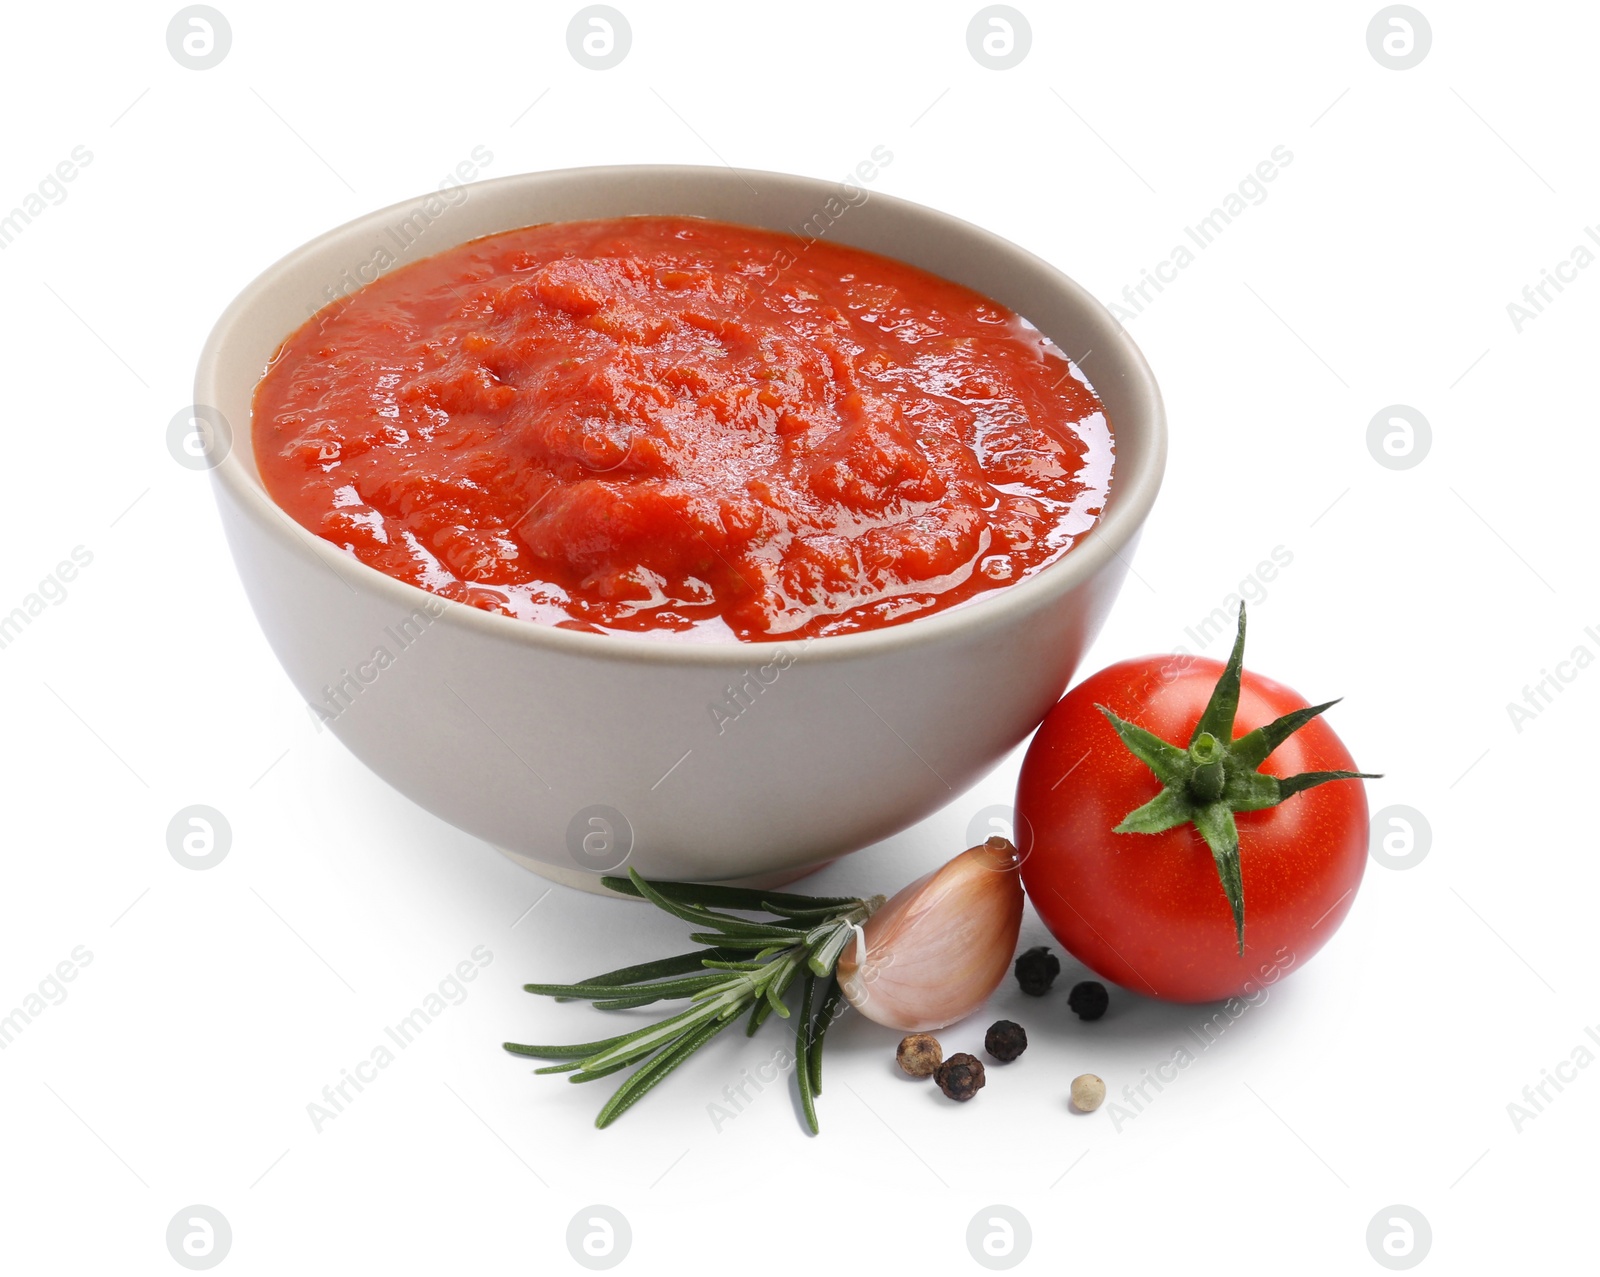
218, 1004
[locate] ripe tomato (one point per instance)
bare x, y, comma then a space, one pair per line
1149, 910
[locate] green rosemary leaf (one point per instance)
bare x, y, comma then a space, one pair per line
689, 913
576, 1067
577, 1051
722, 922
716, 896
638, 1000
749, 944
745, 970
593, 1075
680, 964
725, 927
775, 995
632, 1052
652, 1074
806, 917
825, 956
587, 1053
825, 1017
728, 927
680, 988
648, 1039
794, 900
802, 1053
744, 984
787, 973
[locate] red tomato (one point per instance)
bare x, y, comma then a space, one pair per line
1148, 911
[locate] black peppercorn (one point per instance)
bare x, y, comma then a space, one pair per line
1089, 999
961, 1076
1036, 970
1005, 1040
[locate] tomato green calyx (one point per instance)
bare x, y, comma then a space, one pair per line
1217, 775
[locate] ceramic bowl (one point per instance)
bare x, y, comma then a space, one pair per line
578, 753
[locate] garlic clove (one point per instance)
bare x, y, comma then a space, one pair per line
940, 946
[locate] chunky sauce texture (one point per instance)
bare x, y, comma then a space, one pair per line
684, 427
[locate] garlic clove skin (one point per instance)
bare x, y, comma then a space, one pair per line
940, 946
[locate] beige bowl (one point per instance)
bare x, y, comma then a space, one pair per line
576, 753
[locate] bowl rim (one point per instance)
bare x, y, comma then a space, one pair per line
1132, 495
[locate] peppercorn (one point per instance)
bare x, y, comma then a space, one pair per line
1005, 1040
1088, 1092
919, 1054
1089, 999
961, 1076
1036, 970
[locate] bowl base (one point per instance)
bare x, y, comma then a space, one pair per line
583, 880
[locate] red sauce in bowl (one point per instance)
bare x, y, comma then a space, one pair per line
672, 425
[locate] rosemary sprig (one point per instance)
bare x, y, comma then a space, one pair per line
746, 968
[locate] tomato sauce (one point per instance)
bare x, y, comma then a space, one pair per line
684, 427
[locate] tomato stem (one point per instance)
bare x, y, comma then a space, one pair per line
1217, 775
1205, 783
